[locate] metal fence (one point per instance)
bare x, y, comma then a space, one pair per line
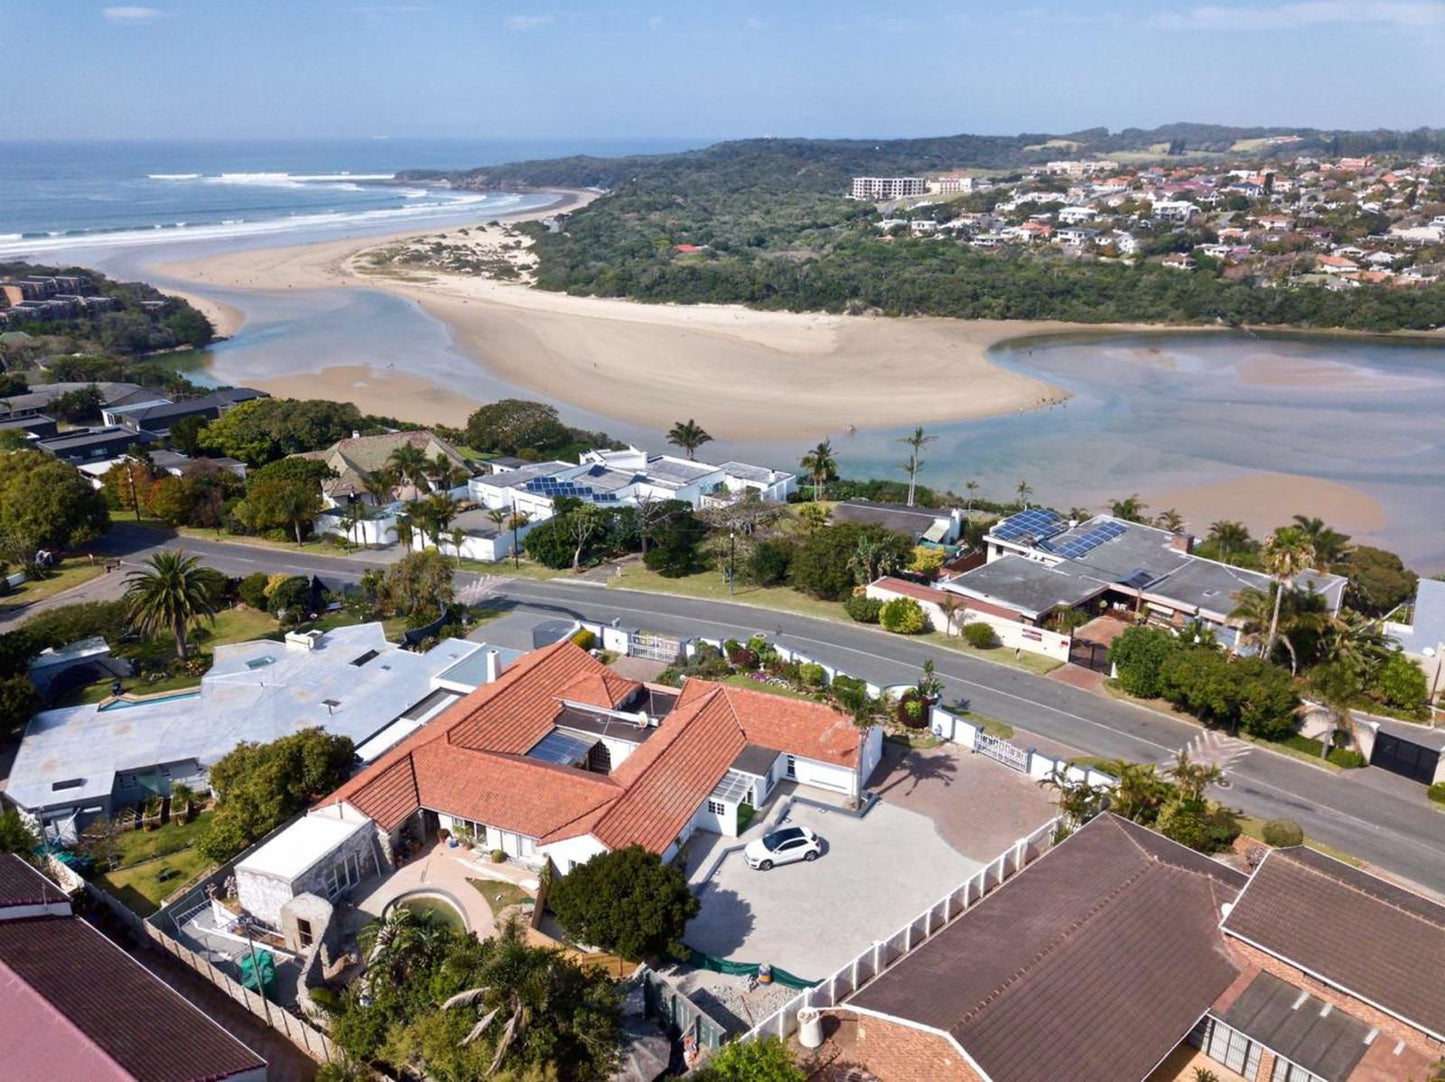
876, 959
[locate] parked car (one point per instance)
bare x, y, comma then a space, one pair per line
783, 846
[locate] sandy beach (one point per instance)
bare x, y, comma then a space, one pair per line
1264, 501
225, 318
743, 374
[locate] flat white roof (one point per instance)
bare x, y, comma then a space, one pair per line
300, 846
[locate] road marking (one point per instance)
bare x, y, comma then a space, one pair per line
1213, 748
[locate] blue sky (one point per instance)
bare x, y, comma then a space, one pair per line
676, 68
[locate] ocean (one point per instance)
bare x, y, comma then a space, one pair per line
58, 198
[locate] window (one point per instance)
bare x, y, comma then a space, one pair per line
792, 770
303, 932
717, 807
1226, 1046
1285, 1071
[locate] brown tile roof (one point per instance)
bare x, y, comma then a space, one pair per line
20, 884
1104, 953
1376, 941
77, 1006
357, 458
915, 590
471, 762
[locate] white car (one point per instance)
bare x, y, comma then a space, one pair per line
783, 846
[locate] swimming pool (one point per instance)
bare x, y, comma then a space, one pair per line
434, 904
126, 704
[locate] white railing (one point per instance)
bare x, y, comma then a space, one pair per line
886, 952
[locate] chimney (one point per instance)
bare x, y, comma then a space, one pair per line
1182, 542
494, 666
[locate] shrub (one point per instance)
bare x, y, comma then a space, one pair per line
1401, 683
626, 901
1139, 654
903, 616
765, 1060
289, 596
1282, 832
1436, 792
815, 676
980, 636
769, 563
498, 857
1205, 827
252, 590
1348, 758
584, 638
862, 608
743, 657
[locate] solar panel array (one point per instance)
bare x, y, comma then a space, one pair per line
1029, 525
552, 488
562, 748
1073, 547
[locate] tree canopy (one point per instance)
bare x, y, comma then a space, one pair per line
627, 901
265, 429
45, 504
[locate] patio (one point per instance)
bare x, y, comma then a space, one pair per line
443, 871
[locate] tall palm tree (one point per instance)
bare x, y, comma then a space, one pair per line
409, 463
1170, 520
458, 537
1231, 538
1330, 546
1286, 553
1024, 492
916, 441
1299, 616
822, 467
689, 435
971, 488
1129, 509
174, 592
381, 485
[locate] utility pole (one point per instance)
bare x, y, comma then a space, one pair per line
256, 970
732, 559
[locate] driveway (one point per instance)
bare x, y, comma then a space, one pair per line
875, 874
980, 807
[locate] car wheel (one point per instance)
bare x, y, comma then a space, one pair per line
765, 866
811, 855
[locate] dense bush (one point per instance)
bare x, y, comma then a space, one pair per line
290, 597
1348, 758
863, 608
626, 901
765, 1060
980, 635
1401, 683
252, 591
584, 638
903, 616
1436, 792
823, 563
1203, 826
1138, 654
769, 563
1282, 832
815, 676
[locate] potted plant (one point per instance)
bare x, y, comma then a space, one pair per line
183, 798
151, 811
464, 837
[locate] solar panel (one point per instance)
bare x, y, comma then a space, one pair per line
1031, 524
1090, 539
560, 747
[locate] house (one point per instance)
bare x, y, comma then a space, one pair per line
1174, 210
1144, 569
79, 762
90, 444
38, 398
1179, 261
77, 1006
881, 189
1076, 215
1075, 237
1126, 957
561, 759
157, 418
355, 461
33, 426
935, 525
1336, 264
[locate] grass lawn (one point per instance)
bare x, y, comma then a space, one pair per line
1029, 662
1000, 730
238, 625
499, 894
71, 572
1251, 827
101, 689
742, 680
155, 864
524, 569
1296, 747
713, 586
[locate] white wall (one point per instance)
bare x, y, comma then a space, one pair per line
826, 776
872, 753
573, 851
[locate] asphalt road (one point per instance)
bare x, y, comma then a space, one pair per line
1376, 816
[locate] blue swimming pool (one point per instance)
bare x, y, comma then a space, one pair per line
126, 704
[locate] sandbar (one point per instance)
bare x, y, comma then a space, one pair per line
1264, 501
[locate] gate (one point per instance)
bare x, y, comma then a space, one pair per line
1091, 655
1011, 755
1414, 761
653, 647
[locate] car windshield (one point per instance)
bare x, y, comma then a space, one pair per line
778, 837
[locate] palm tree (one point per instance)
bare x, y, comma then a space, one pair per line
174, 591
1286, 553
1024, 491
1129, 509
1336, 688
1170, 520
970, 487
381, 485
1297, 617
689, 435
1193, 778
822, 467
1356, 642
953, 606
916, 441
1330, 546
409, 463
457, 537
1231, 538
349, 518
444, 474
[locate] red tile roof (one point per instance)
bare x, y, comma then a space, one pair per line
471, 762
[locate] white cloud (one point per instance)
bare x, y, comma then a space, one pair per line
528, 22
131, 15
1397, 13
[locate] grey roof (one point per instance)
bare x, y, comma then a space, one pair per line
1104, 953
519, 477
1303, 1029
74, 441
1026, 586
606, 478
601, 724
665, 471
911, 521
1208, 586
42, 394
472, 669
169, 460
1427, 627
755, 759
1133, 549
255, 691
506, 462
758, 475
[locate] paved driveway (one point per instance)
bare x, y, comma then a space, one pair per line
875, 874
